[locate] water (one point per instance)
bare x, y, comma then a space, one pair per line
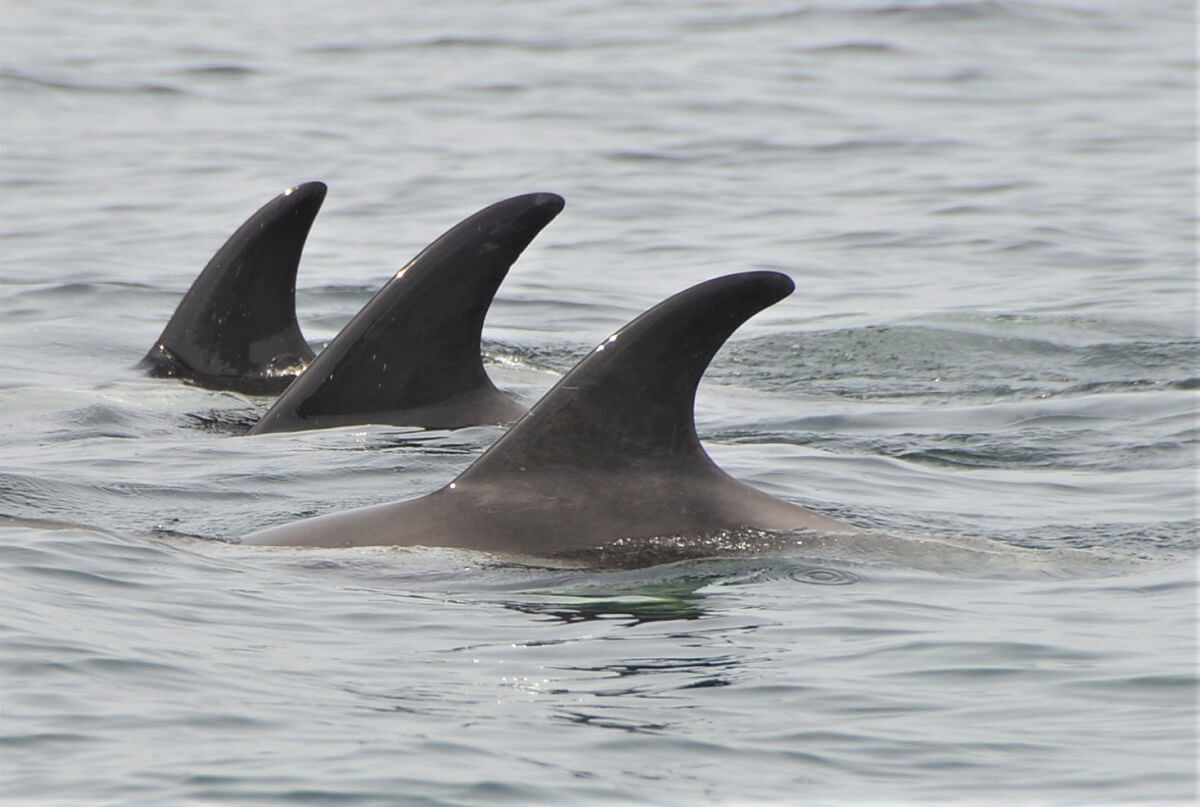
990, 358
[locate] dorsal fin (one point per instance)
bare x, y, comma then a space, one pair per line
236, 326
411, 355
629, 404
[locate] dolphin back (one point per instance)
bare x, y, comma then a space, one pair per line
609, 453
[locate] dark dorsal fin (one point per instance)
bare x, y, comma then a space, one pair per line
628, 405
415, 345
236, 326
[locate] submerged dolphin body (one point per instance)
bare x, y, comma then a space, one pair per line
610, 452
410, 357
236, 327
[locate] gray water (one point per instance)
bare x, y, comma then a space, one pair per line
990, 361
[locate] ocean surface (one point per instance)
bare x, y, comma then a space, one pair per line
990, 361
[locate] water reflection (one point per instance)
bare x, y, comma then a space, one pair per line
667, 592
637, 604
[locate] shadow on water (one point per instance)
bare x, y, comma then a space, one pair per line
673, 591
636, 607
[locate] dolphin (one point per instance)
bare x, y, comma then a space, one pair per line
410, 357
609, 453
236, 327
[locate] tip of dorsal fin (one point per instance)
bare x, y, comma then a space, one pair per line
415, 345
629, 404
236, 326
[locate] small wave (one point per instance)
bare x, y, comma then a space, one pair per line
46, 738
20, 78
950, 11
856, 47
224, 421
36, 500
883, 145
220, 70
993, 359
782, 569
947, 11
1153, 541
475, 42
822, 576
76, 579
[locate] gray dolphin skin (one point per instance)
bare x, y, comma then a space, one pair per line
610, 452
411, 356
236, 327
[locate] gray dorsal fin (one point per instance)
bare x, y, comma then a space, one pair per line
236, 326
628, 405
411, 356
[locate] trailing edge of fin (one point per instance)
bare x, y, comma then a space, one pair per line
629, 404
236, 326
411, 356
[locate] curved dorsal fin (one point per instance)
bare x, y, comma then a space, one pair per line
415, 345
236, 326
628, 405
